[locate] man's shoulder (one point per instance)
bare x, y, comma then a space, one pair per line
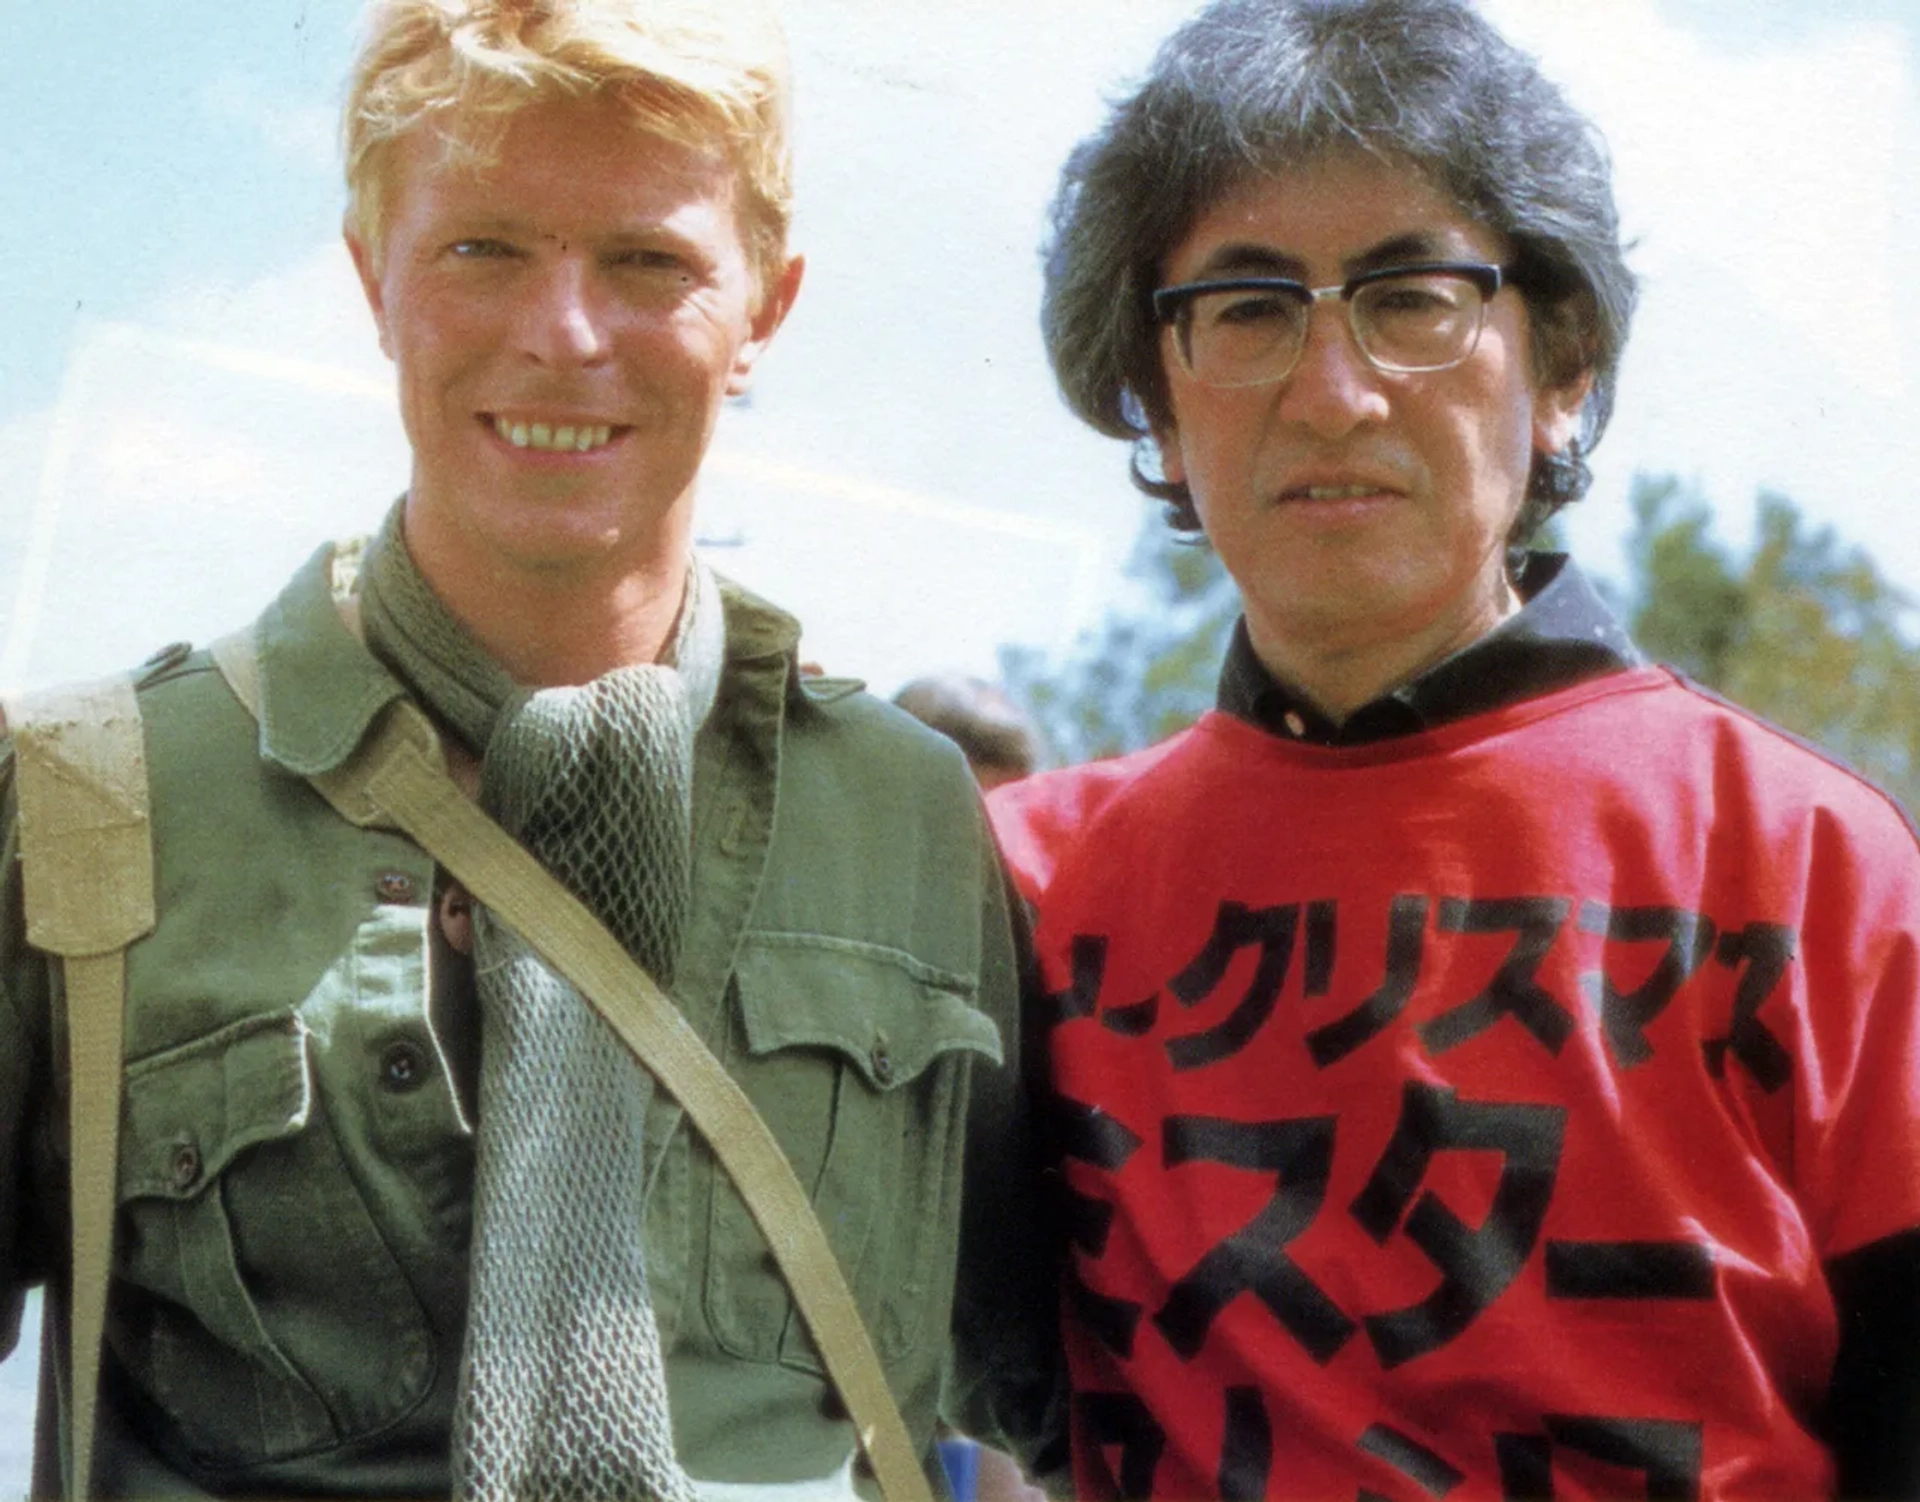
827, 712
1038, 817
841, 736
855, 710
1768, 766
77, 765
1683, 756
188, 710
180, 676
171, 677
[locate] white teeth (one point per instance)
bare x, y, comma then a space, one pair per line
565, 438
1339, 492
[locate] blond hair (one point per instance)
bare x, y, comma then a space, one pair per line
699, 73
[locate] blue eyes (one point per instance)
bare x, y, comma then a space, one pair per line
481, 250
638, 259
647, 260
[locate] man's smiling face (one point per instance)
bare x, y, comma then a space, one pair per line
1356, 508
566, 322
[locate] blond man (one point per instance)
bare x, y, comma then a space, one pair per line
396, 1216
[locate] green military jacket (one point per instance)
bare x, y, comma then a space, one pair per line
295, 1173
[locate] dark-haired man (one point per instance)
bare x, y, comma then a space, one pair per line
1488, 1065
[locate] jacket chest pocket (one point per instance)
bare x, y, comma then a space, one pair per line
259, 1304
858, 1057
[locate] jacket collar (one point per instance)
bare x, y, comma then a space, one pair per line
321, 689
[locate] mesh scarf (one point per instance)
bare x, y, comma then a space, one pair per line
562, 1393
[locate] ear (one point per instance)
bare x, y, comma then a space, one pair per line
1556, 413
765, 323
1173, 464
1165, 433
366, 264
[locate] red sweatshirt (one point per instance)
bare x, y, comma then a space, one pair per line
1470, 1114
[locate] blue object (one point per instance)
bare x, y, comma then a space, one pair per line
961, 1460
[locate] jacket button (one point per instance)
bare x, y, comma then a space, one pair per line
403, 1067
394, 886
169, 656
185, 1166
881, 1059
456, 918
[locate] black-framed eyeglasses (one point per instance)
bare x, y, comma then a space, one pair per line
1250, 331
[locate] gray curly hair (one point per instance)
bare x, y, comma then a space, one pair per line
1251, 87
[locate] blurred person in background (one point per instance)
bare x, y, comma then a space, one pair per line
1487, 1064
994, 733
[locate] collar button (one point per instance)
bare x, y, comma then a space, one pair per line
394, 887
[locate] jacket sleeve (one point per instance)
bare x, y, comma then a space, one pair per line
24, 1079
1873, 1404
1007, 1386
1861, 1136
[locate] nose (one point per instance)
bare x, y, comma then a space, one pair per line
561, 320
1333, 389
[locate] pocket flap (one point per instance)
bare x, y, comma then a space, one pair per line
191, 1110
890, 1014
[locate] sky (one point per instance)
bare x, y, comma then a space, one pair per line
192, 398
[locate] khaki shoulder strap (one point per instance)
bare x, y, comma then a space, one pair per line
86, 855
397, 777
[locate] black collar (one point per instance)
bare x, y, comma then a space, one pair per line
1562, 634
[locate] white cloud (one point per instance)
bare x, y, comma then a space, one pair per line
303, 133
172, 486
1784, 168
1771, 194
311, 308
150, 464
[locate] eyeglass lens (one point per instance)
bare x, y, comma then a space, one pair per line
1422, 321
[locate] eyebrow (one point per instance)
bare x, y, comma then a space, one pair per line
1418, 245
488, 223
1243, 258
1250, 258
622, 238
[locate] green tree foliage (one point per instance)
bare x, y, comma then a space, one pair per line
1148, 669
1803, 630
